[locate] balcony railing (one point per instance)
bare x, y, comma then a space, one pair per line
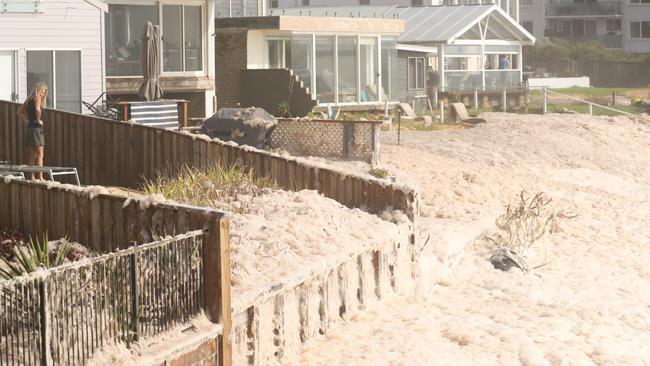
601, 8
607, 40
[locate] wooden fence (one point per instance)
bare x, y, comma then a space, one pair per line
106, 223
114, 153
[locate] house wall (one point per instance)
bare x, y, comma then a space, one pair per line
401, 91
635, 13
534, 12
64, 25
256, 56
231, 58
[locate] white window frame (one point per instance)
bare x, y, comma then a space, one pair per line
52, 88
204, 47
421, 78
640, 37
336, 102
16, 85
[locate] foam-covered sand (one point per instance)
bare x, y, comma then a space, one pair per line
284, 236
589, 305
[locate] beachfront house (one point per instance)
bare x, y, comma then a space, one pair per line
302, 61
186, 28
59, 43
447, 49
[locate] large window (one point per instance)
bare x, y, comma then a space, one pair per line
61, 72
639, 1
347, 56
640, 29
124, 25
181, 36
416, 73
613, 25
369, 65
325, 69
182, 30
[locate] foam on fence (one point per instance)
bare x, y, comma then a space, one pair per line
111, 153
106, 223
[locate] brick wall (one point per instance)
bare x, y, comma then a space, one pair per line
230, 58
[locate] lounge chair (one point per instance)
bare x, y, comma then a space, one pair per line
460, 112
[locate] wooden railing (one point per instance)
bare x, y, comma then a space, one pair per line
106, 223
114, 153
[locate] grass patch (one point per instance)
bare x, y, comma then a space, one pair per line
583, 109
379, 173
231, 188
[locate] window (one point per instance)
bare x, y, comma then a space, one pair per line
417, 2
364, 2
182, 38
347, 69
416, 73
639, 1
279, 53
305, 2
274, 4
61, 71
613, 25
124, 25
640, 29
325, 69
526, 2
8, 75
181, 34
528, 25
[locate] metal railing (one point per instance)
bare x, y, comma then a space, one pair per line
590, 105
64, 315
568, 9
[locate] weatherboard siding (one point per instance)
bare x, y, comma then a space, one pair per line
64, 25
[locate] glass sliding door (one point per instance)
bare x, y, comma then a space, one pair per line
67, 75
8, 76
40, 69
325, 69
301, 58
347, 69
192, 20
369, 65
61, 72
388, 66
172, 38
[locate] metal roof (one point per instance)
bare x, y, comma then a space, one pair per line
431, 24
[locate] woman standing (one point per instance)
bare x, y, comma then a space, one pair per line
34, 111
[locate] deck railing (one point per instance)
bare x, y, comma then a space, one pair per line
65, 315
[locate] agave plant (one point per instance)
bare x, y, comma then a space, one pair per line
39, 258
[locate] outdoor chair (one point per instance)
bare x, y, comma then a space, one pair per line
460, 111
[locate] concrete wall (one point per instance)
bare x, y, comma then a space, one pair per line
635, 13
64, 25
282, 320
256, 49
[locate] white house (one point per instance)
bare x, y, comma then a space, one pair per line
56, 42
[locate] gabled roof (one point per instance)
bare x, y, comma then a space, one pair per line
433, 24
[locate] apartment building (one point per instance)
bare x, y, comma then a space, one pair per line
511, 7
622, 24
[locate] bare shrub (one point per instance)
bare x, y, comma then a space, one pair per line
520, 227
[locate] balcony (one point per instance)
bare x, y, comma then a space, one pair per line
595, 9
607, 40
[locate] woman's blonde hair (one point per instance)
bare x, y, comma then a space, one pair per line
39, 87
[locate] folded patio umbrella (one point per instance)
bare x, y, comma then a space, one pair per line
150, 63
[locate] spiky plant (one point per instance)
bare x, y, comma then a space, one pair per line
40, 257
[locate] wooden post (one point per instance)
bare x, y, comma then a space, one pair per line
125, 111
590, 108
435, 95
442, 111
399, 124
613, 98
45, 320
216, 269
182, 106
475, 98
133, 263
